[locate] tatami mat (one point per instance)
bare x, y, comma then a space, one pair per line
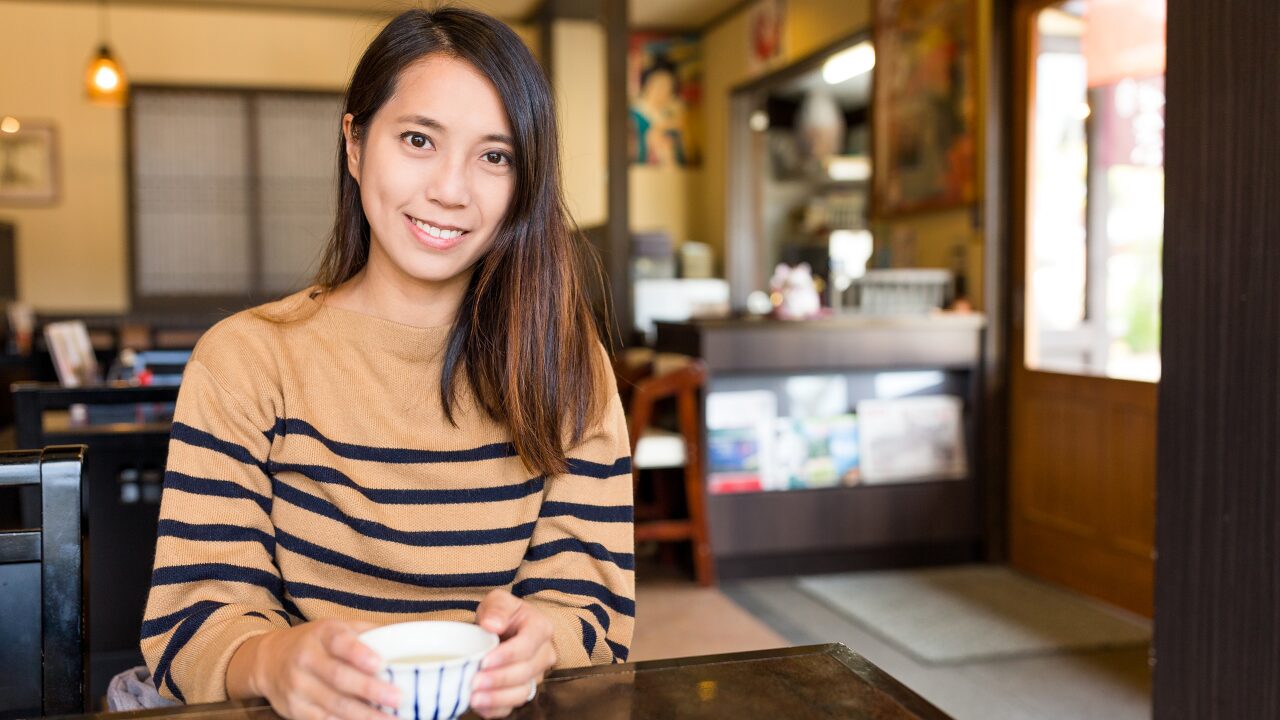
948, 615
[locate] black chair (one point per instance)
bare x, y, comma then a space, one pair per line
124, 475
43, 616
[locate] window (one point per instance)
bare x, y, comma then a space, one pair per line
232, 193
1096, 189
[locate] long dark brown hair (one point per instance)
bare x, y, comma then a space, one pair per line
525, 335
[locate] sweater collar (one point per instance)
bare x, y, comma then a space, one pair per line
407, 342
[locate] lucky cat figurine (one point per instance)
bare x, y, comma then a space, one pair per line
796, 293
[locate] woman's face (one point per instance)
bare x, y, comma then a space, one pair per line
435, 170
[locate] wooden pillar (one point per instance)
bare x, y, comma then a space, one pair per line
617, 257
1217, 620
609, 229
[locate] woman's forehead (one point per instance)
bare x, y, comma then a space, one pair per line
452, 92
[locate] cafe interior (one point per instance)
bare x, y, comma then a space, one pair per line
906, 358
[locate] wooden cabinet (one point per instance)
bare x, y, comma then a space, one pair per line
843, 528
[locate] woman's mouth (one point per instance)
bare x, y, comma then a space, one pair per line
433, 236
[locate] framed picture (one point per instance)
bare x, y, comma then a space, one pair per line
28, 162
664, 91
767, 35
925, 106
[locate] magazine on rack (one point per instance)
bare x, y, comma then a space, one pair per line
72, 353
740, 427
816, 452
912, 438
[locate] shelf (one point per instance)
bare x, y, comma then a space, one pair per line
923, 480
862, 516
841, 342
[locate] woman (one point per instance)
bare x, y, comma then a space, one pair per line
431, 431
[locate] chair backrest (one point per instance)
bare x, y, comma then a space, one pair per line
683, 383
123, 477
44, 571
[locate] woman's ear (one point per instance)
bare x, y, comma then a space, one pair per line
351, 132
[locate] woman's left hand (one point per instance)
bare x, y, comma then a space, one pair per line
508, 673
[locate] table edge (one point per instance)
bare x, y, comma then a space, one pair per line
858, 665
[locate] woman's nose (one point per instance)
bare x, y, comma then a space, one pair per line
448, 186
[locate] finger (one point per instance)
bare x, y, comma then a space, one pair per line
350, 681
515, 675
490, 714
528, 639
339, 705
303, 710
344, 643
490, 702
497, 611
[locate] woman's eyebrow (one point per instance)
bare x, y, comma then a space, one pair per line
427, 122
422, 120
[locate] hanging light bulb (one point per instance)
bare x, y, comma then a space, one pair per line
104, 80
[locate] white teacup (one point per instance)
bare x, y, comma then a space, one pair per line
433, 664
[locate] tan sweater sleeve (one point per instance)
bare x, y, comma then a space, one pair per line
580, 565
215, 582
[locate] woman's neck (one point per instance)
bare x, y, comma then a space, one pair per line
381, 290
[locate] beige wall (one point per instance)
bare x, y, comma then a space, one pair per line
72, 255
578, 76
668, 199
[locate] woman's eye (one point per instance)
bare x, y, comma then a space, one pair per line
416, 139
497, 158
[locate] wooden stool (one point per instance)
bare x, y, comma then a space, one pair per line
653, 448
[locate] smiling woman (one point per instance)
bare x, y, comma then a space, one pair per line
429, 432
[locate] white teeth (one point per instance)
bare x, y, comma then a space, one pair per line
436, 232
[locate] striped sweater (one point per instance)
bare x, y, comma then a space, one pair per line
312, 475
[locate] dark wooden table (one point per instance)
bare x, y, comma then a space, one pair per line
818, 681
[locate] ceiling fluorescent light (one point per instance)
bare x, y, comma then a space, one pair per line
849, 63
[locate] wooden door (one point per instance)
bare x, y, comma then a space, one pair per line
1082, 441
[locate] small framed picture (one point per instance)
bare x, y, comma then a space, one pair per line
28, 162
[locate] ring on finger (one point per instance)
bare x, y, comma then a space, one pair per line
533, 690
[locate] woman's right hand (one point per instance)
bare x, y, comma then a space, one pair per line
315, 671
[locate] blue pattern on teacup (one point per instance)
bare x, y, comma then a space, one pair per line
442, 695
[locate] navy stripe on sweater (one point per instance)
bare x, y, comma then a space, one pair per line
315, 552
351, 451
215, 533
588, 637
199, 438
303, 591
594, 513
332, 476
626, 561
620, 651
186, 630
600, 471
214, 488
585, 588
601, 615
218, 572
418, 538
165, 623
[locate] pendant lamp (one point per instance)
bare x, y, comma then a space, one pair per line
104, 80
